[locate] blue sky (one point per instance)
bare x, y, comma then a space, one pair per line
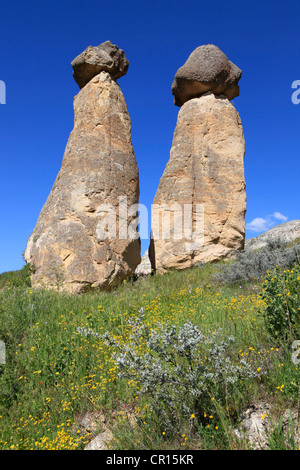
39, 39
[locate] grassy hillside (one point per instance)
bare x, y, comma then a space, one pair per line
177, 391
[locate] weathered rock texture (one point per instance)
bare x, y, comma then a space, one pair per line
144, 268
106, 57
206, 168
207, 69
67, 247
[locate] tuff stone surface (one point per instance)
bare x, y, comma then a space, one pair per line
98, 167
206, 167
206, 69
144, 268
106, 57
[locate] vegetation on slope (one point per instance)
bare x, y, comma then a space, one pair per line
64, 356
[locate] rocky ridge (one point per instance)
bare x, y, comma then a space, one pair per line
286, 233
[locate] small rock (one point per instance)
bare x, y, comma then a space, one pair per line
100, 442
254, 426
106, 57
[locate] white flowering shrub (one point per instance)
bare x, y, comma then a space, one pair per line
180, 369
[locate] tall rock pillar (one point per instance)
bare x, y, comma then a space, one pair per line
199, 208
84, 237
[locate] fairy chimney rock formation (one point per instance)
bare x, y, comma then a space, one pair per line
198, 213
206, 69
86, 236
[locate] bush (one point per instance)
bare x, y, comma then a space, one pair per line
251, 265
179, 371
281, 293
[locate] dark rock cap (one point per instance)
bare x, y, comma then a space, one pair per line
105, 57
206, 69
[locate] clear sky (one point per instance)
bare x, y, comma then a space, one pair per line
40, 38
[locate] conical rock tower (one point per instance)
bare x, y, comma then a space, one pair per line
86, 236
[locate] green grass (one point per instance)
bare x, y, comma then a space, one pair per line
16, 278
54, 372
